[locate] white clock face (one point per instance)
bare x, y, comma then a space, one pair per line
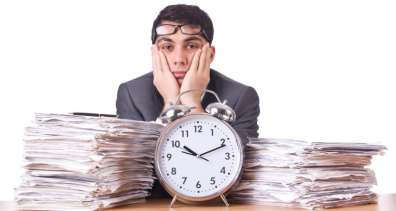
199, 156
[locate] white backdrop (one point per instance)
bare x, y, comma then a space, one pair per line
324, 70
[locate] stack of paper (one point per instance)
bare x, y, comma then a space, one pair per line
307, 174
86, 163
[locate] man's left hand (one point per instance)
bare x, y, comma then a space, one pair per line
197, 77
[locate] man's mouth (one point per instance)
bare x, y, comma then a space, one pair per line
179, 74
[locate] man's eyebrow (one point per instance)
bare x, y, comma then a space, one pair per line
164, 39
192, 39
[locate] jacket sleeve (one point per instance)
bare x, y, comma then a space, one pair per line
247, 110
126, 108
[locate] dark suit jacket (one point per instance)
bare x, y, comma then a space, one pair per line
138, 99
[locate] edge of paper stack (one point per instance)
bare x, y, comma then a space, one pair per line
300, 174
86, 163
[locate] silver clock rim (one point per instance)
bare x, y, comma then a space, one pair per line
183, 197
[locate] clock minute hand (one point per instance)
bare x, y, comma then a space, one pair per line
221, 146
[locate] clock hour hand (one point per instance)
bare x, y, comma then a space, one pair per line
188, 153
191, 152
221, 146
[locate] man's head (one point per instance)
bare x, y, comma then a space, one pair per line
185, 14
179, 31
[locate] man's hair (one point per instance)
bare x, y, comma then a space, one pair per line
184, 14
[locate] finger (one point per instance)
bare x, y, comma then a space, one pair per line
195, 61
208, 60
164, 62
156, 59
206, 55
202, 58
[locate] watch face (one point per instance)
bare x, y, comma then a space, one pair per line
198, 157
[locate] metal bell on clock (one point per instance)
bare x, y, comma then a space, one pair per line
174, 112
221, 111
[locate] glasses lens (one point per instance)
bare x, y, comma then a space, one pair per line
165, 29
191, 29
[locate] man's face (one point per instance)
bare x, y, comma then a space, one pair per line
179, 50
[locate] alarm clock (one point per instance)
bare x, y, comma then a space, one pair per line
198, 156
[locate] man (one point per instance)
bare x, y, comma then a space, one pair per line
181, 57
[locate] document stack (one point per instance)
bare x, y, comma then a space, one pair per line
86, 163
308, 175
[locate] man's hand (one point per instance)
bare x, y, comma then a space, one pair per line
164, 80
197, 77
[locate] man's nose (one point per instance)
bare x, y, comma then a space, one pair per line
180, 57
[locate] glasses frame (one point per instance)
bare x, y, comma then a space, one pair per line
179, 27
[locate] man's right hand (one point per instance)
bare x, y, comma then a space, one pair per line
164, 80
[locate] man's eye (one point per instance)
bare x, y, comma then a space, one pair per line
166, 47
192, 46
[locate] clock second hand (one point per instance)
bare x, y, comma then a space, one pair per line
191, 152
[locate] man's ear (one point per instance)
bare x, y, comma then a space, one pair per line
212, 53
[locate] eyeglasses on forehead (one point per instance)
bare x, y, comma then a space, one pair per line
187, 29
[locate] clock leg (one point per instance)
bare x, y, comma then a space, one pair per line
173, 201
224, 200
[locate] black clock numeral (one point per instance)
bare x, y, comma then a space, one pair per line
169, 156
222, 141
184, 133
222, 170
176, 143
212, 131
173, 171
198, 185
184, 180
227, 156
198, 128
212, 181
